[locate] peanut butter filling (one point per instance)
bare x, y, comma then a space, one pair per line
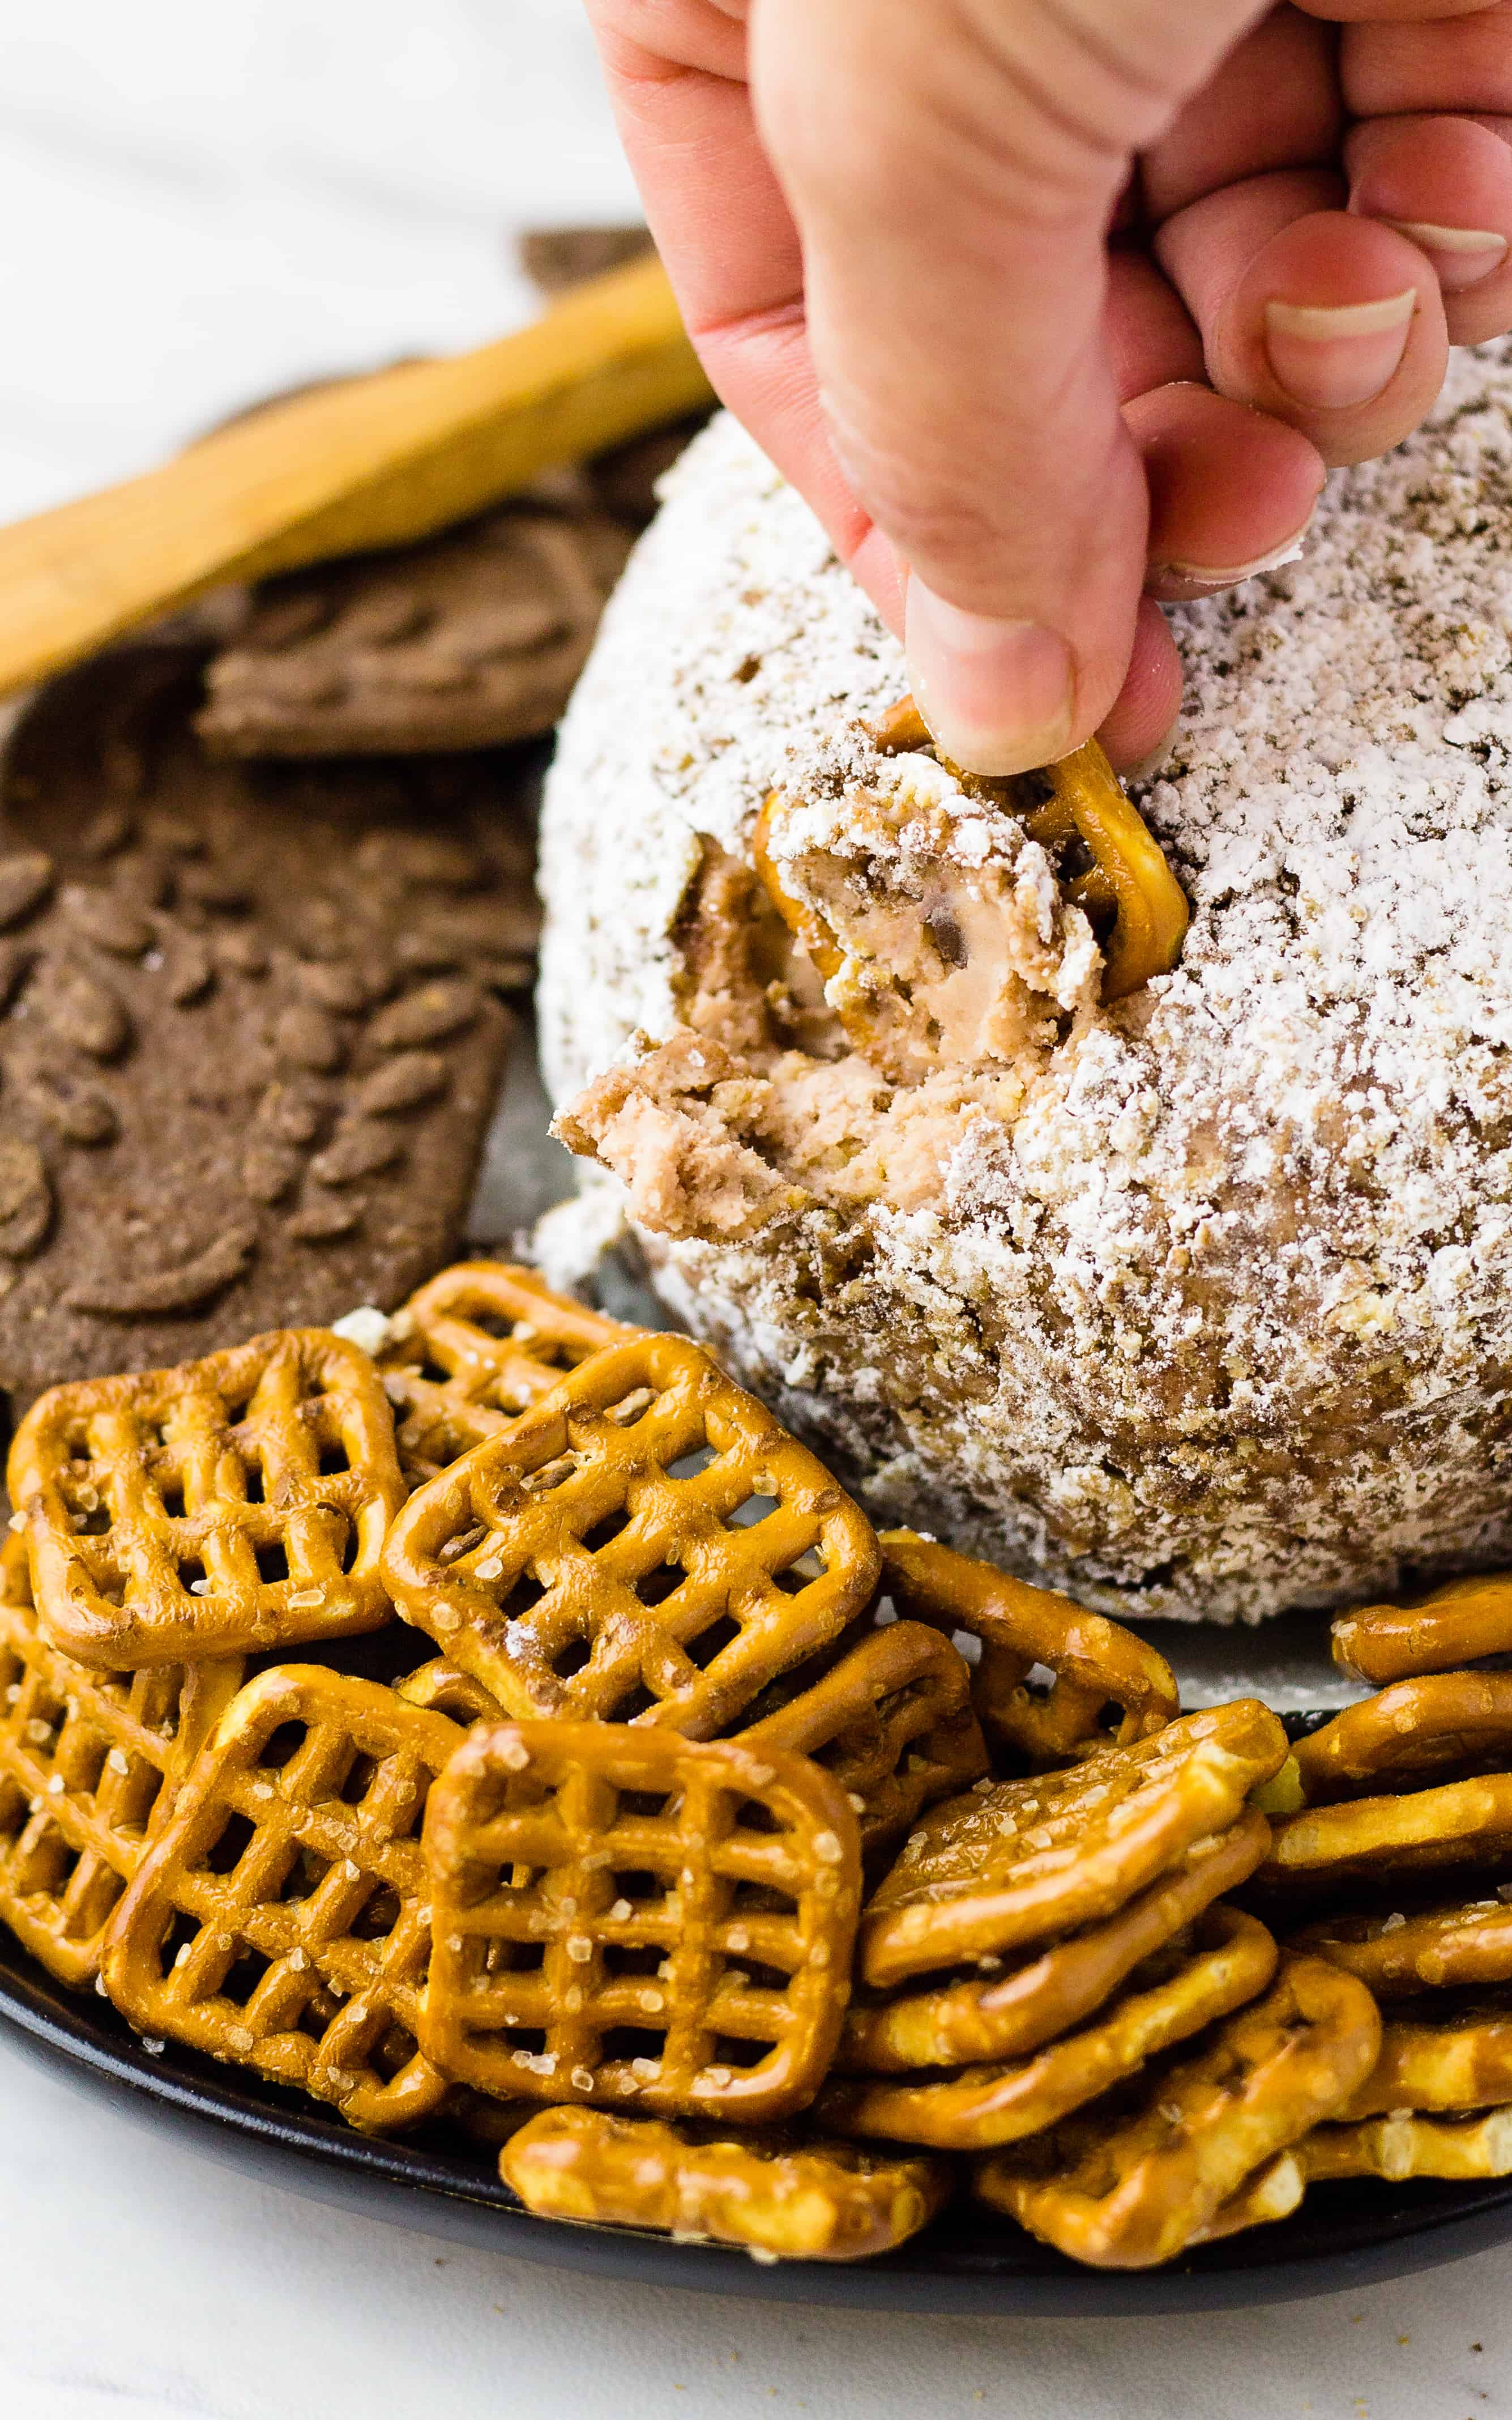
901, 958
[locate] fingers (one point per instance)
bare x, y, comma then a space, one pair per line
1232, 491
1142, 716
1273, 103
1147, 333
1432, 90
730, 248
1445, 183
953, 204
1459, 62
1268, 309
1332, 323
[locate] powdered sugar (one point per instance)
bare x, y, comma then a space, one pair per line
1218, 1322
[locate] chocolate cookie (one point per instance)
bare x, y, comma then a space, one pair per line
467, 640
250, 1030
556, 258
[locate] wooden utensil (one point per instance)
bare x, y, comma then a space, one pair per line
370, 462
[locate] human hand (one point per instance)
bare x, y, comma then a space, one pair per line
1056, 308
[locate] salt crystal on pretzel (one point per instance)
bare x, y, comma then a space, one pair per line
892, 1721
473, 1347
1096, 1668
1007, 2016
90, 1765
646, 1540
797, 2198
225, 1506
1027, 1860
1129, 2190
1447, 1722
1231, 1961
627, 1916
283, 1919
1457, 1625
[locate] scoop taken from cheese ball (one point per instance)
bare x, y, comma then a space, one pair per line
1187, 1302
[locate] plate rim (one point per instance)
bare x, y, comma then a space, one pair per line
321, 2160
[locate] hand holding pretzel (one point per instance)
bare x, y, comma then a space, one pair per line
1052, 311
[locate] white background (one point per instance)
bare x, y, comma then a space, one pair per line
201, 200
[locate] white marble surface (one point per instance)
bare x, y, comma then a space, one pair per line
200, 203
141, 2282
201, 200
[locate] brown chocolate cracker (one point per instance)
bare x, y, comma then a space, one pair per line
250, 1023
467, 640
556, 258
464, 641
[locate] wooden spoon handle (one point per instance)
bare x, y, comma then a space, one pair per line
370, 462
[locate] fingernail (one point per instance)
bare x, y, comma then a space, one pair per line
999, 696
1330, 359
1461, 255
1213, 576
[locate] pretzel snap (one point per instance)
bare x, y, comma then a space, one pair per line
626, 1915
1435, 2056
283, 1920
1022, 1861
1128, 876
1438, 1948
978, 2020
228, 1505
90, 1763
1103, 1686
1231, 1962
645, 1540
800, 2200
1449, 1722
1129, 884
1130, 2192
1271, 2192
1458, 1624
472, 1348
1325, 1848
1461, 2149
892, 1721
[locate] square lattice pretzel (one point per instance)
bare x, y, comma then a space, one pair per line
628, 1916
283, 1919
892, 1721
229, 1505
646, 1540
89, 1767
479, 1343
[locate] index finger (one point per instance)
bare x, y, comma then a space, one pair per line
731, 251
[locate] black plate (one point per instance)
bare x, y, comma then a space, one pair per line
1344, 2237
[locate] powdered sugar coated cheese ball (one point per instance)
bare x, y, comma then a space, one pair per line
1191, 1304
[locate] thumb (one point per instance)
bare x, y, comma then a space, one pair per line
952, 166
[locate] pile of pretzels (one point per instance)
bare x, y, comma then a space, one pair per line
488, 1716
